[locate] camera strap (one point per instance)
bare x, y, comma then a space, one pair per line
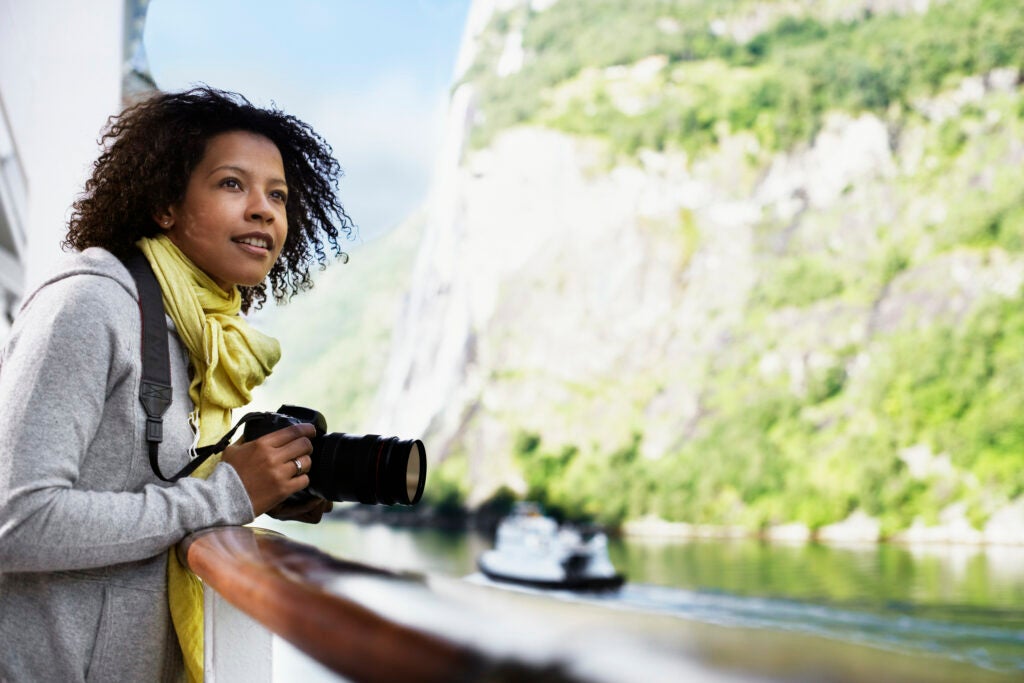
155, 388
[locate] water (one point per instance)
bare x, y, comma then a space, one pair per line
953, 604
958, 602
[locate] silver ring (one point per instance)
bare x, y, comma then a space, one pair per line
298, 467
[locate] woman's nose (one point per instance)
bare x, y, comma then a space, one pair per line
260, 209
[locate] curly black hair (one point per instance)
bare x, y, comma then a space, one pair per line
151, 149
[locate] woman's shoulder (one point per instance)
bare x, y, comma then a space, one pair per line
92, 262
89, 274
85, 287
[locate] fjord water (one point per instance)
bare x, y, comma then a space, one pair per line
947, 609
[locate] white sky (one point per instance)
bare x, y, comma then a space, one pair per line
371, 76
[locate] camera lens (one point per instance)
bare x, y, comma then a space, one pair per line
368, 469
414, 471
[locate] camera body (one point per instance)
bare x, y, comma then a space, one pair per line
369, 468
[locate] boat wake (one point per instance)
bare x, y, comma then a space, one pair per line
989, 638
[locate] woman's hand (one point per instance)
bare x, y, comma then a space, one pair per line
267, 466
309, 511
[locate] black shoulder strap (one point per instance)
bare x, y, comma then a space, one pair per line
155, 387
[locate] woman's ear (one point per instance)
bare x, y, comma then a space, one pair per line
164, 218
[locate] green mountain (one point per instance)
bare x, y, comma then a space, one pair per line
743, 264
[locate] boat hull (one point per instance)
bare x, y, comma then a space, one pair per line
574, 583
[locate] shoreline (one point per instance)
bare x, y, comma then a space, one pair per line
1002, 531
1005, 528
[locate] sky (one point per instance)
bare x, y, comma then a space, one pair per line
371, 76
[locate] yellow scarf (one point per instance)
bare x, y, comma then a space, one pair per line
229, 359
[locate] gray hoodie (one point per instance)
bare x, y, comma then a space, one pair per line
85, 525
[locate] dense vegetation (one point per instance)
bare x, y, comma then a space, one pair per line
766, 451
766, 455
778, 84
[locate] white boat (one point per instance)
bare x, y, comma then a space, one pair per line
531, 549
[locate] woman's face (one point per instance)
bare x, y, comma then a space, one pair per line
232, 222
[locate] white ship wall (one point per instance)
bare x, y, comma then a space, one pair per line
60, 79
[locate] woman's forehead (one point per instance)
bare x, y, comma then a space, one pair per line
245, 150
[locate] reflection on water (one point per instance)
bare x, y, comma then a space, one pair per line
957, 603
872, 574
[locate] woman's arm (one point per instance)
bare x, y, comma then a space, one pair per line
71, 350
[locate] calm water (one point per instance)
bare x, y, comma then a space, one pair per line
948, 604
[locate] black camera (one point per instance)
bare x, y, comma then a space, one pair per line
368, 468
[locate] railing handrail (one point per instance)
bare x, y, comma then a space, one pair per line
280, 584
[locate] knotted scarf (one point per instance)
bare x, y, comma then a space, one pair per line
229, 359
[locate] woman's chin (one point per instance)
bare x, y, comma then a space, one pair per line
246, 280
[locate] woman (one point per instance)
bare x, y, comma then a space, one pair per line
224, 199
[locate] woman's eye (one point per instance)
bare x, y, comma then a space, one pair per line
280, 196
230, 182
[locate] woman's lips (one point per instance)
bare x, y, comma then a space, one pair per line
254, 244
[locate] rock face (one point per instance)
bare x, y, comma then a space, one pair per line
549, 267
561, 291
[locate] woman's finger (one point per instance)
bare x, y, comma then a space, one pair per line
286, 435
296, 484
299, 448
300, 465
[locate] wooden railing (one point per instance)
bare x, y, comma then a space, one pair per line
374, 626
